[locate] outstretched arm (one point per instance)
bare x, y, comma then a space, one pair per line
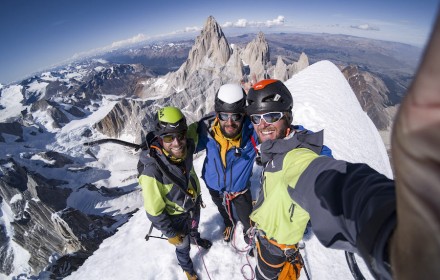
353, 207
416, 157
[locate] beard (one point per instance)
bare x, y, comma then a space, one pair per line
231, 130
180, 154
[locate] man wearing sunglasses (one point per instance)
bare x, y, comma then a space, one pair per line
170, 187
279, 221
227, 137
393, 225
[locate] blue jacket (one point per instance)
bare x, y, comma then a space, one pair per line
236, 175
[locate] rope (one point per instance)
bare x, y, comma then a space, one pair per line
246, 249
203, 259
228, 209
248, 264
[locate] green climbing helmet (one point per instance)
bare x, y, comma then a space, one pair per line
169, 120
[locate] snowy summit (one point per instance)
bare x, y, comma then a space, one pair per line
322, 100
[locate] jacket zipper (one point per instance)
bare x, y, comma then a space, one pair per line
218, 174
230, 181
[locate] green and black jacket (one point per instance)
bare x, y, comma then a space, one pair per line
168, 188
351, 206
284, 160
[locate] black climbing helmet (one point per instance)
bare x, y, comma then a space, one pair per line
268, 96
230, 98
169, 120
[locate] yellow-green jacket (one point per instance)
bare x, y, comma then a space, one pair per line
275, 213
168, 188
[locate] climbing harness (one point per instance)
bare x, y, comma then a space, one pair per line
293, 258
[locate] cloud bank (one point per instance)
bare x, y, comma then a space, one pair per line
242, 23
136, 39
365, 26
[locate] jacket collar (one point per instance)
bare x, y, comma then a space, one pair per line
298, 139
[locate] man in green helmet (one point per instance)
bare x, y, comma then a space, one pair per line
170, 187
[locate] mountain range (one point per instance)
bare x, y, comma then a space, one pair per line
58, 201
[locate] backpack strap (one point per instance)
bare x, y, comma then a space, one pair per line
254, 143
165, 172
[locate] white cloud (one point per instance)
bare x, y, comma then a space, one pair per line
242, 23
192, 29
136, 39
227, 24
275, 22
365, 26
118, 44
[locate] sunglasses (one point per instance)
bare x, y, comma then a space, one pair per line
168, 138
235, 117
269, 118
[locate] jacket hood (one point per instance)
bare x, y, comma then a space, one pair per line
300, 139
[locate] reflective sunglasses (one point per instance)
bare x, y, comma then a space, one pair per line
235, 117
168, 138
269, 118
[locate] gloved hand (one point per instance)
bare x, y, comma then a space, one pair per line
176, 240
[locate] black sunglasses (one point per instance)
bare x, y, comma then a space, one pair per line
235, 117
168, 138
269, 118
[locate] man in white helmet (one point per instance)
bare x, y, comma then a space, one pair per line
228, 139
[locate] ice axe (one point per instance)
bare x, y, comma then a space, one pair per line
148, 236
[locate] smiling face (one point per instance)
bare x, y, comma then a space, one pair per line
176, 148
271, 131
230, 128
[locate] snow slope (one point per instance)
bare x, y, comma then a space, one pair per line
323, 100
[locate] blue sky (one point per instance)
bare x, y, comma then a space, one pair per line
38, 34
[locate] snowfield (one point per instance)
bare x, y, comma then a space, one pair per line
322, 100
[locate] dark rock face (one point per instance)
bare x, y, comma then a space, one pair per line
6, 265
116, 80
371, 93
129, 117
13, 128
43, 224
67, 264
33, 226
57, 160
53, 110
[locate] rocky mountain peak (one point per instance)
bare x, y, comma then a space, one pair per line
211, 25
256, 54
260, 37
211, 47
211, 62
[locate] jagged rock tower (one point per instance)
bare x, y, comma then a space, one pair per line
212, 62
